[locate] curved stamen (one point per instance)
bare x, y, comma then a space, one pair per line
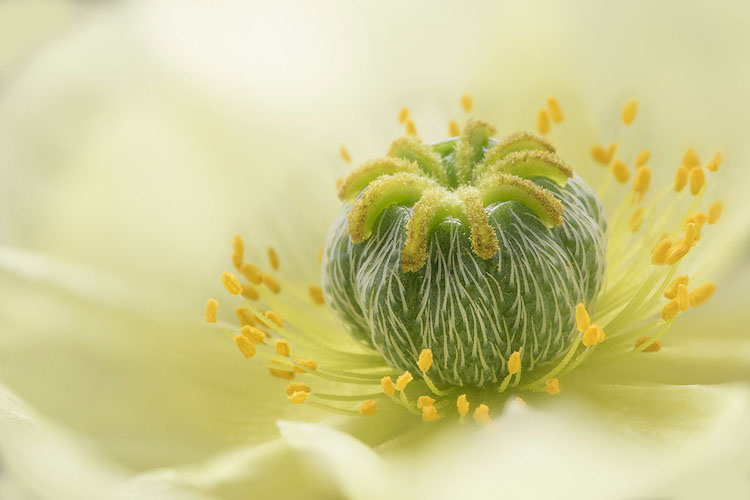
397, 189
503, 187
470, 147
413, 149
371, 170
531, 164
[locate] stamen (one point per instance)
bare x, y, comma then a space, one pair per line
671, 290
714, 212
425, 401
250, 292
252, 273
690, 160
463, 405
238, 251
690, 234
368, 408
425, 360
682, 298
642, 158
697, 179
307, 364
514, 363
245, 346
316, 294
502, 187
299, 397
470, 147
678, 251
283, 348
636, 221
554, 110
253, 334
453, 129
271, 283
702, 293
659, 255
273, 258
552, 386
593, 335
403, 381
344, 154
655, 346
296, 387
411, 128
715, 162
467, 102
629, 111
680, 179
386, 384
670, 310
211, 307
230, 283
429, 413
583, 320
403, 114
482, 415
620, 171
642, 180
602, 155
245, 317
275, 318
542, 122
282, 374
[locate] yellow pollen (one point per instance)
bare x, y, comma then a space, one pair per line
344, 154
678, 251
680, 179
296, 387
671, 291
271, 283
211, 306
629, 111
542, 122
714, 212
670, 310
250, 292
697, 179
273, 258
463, 405
238, 251
602, 155
230, 283
691, 234
253, 334
245, 317
411, 129
403, 381
453, 129
245, 346
642, 180
403, 115
552, 386
282, 374
655, 347
715, 162
425, 401
309, 364
636, 221
514, 363
282, 347
698, 217
482, 415
690, 159
682, 298
252, 273
593, 335
642, 158
386, 384
620, 171
429, 413
275, 318
702, 293
316, 294
467, 102
425, 360
659, 255
583, 320
555, 112
368, 408
299, 397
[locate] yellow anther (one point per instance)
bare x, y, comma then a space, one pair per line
316, 294
296, 387
620, 171
629, 111
602, 155
386, 384
403, 381
299, 397
403, 115
482, 415
425, 360
659, 255
429, 413
636, 221
368, 408
344, 154
690, 160
678, 251
253, 334
642, 180
282, 374
671, 291
583, 320
654, 347
282, 347
463, 405
250, 292
697, 179
698, 217
542, 121
271, 283
514, 363
682, 299
702, 293
273, 258
211, 306
411, 128
642, 158
594, 335
275, 318
691, 234
670, 310
425, 401
467, 102
453, 129
238, 251
715, 162
245, 317
245, 346
230, 283
555, 112
680, 179
714, 212
552, 386
304, 365
252, 273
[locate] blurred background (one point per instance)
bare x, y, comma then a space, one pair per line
137, 137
